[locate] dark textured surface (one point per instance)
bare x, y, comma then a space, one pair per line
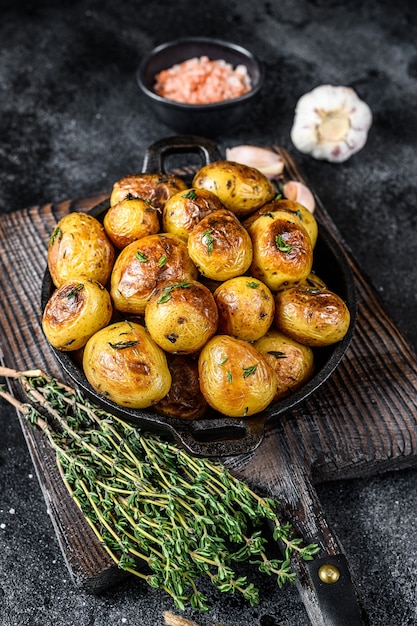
72, 121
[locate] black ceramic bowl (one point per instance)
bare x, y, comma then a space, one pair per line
203, 119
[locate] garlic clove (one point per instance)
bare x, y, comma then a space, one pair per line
331, 123
294, 190
266, 161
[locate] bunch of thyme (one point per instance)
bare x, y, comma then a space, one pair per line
160, 513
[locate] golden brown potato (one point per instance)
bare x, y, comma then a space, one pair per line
282, 250
122, 362
292, 361
129, 220
144, 265
186, 208
242, 189
79, 247
220, 246
181, 317
312, 316
235, 378
246, 307
184, 399
313, 282
155, 187
74, 312
295, 211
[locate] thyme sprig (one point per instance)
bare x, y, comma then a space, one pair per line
160, 513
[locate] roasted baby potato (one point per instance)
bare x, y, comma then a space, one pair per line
186, 208
79, 247
184, 400
242, 189
235, 377
282, 250
220, 246
246, 307
313, 281
312, 316
156, 188
74, 312
292, 361
129, 220
295, 211
181, 317
122, 362
144, 265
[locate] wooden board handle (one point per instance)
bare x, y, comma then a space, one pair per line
278, 471
325, 584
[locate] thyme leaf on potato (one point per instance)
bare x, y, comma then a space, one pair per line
121, 345
208, 240
140, 256
166, 291
282, 245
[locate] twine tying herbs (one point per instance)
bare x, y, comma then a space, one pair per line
160, 513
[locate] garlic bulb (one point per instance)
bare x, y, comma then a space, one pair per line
331, 123
264, 160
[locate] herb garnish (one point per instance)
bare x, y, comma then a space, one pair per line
248, 371
166, 291
161, 514
57, 234
141, 257
191, 195
208, 240
282, 245
121, 345
73, 292
277, 354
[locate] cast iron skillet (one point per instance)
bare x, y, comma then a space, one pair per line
216, 434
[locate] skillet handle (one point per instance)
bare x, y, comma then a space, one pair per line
220, 437
157, 154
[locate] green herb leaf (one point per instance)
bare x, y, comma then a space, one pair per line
282, 245
71, 294
141, 257
121, 345
248, 371
277, 354
208, 240
191, 195
166, 291
57, 234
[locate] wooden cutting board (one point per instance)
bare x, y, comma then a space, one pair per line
362, 421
